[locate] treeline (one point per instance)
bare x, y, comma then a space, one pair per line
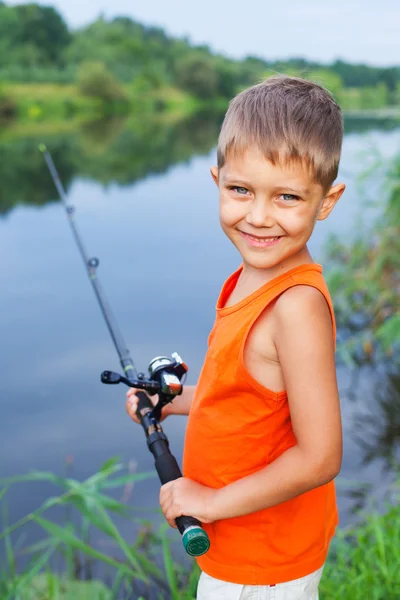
114, 60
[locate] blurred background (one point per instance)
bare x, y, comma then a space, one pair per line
129, 100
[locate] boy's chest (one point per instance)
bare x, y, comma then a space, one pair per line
260, 356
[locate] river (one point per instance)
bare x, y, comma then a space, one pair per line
150, 215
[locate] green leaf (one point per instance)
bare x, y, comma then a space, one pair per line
3, 492
112, 462
125, 479
67, 537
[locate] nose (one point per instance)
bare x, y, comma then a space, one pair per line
260, 214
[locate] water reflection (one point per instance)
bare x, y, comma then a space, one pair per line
377, 426
114, 150
108, 151
370, 397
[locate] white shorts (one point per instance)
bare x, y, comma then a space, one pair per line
305, 588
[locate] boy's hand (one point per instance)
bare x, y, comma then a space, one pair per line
132, 404
187, 497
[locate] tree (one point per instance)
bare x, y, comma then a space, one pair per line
196, 74
227, 77
126, 48
32, 34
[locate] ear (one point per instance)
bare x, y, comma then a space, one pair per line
330, 200
214, 174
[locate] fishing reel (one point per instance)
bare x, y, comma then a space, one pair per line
165, 379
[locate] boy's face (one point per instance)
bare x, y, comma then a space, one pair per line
269, 211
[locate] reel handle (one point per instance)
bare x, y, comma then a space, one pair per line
194, 538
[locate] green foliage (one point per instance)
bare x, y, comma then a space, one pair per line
329, 80
35, 45
364, 98
95, 80
364, 75
37, 74
124, 46
32, 35
94, 508
364, 279
90, 513
363, 562
196, 75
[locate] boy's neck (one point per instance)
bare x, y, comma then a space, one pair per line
255, 278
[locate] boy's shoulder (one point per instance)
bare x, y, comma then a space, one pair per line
301, 310
300, 299
298, 325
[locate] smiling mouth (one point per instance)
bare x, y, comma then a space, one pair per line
259, 238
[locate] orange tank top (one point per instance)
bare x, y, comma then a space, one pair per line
237, 427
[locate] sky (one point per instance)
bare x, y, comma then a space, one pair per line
358, 31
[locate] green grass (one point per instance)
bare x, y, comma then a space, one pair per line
90, 513
363, 563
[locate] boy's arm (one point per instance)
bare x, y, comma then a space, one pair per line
305, 348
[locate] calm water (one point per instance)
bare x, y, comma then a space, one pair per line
151, 217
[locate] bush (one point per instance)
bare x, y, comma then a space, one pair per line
96, 81
197, 75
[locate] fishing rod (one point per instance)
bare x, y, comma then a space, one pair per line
164, 378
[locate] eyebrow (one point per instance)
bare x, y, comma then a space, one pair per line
300, 191
234, 178
237, 179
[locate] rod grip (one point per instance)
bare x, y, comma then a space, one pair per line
195, 539
144, 402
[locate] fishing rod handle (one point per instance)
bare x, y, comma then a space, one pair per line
194, 538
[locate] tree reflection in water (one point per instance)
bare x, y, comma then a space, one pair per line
108, 151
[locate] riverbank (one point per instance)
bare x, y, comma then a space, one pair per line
41, 102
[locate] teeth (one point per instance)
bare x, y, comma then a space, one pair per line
266, 239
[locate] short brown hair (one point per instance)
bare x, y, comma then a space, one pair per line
289, 119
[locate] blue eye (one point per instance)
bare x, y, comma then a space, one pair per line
239, 189
289, 197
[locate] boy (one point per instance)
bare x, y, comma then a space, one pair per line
263, 441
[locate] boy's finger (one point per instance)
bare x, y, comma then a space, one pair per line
171, 523
131, 409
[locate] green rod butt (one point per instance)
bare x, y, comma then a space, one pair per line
195, 541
